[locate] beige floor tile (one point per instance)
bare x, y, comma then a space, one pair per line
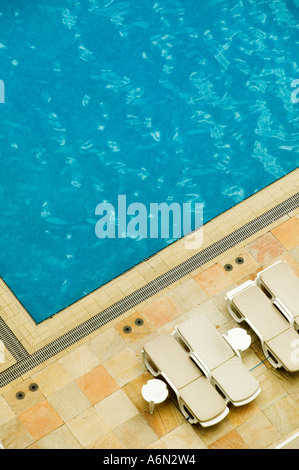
155, 421
272, 390
295, 397
51, 378
213, 313
6, 413
168, 328
284, 415
110, 441
14, 435
187, 296
292, 262
124, 367
289, 381
116, 409
183, 437
88, 427
160, 311
212, 433
157, 445
240, 414
231, 440
107, 344
258, 432
295, 253
69, 401
61, 438
265, 248
220, 302
165, 418
214, 279
136, 433
80, 361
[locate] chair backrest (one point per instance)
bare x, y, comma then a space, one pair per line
282, 283
203, 338
254, 305
171, 359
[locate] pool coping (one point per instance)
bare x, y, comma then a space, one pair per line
27, 360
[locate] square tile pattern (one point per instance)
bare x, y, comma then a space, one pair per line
90, 397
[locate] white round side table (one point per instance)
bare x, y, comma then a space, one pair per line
238, 338
154, 392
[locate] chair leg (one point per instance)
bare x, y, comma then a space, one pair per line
151, 407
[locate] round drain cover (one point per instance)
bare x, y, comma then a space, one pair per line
138, 321
239, 260
127, 329
228, 267
20, 395
33, 387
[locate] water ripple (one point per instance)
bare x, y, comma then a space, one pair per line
171, 100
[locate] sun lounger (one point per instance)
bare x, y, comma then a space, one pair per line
197, 399
282, 285
278, 338
220, 362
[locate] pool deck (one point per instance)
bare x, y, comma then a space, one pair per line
89, 394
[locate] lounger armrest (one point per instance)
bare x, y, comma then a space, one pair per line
236, 351
283, 309
201, 365
192, 354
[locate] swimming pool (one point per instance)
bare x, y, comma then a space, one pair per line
168, 101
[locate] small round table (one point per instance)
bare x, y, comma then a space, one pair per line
238, 338
154, 392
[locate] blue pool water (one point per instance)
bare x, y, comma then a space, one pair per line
163, 101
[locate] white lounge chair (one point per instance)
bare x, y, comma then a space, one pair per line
197, 399
278, 338
282, 285
221, 363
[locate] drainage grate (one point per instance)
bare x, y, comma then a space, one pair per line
27, 362
11, 342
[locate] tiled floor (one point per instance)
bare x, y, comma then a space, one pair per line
89, 396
